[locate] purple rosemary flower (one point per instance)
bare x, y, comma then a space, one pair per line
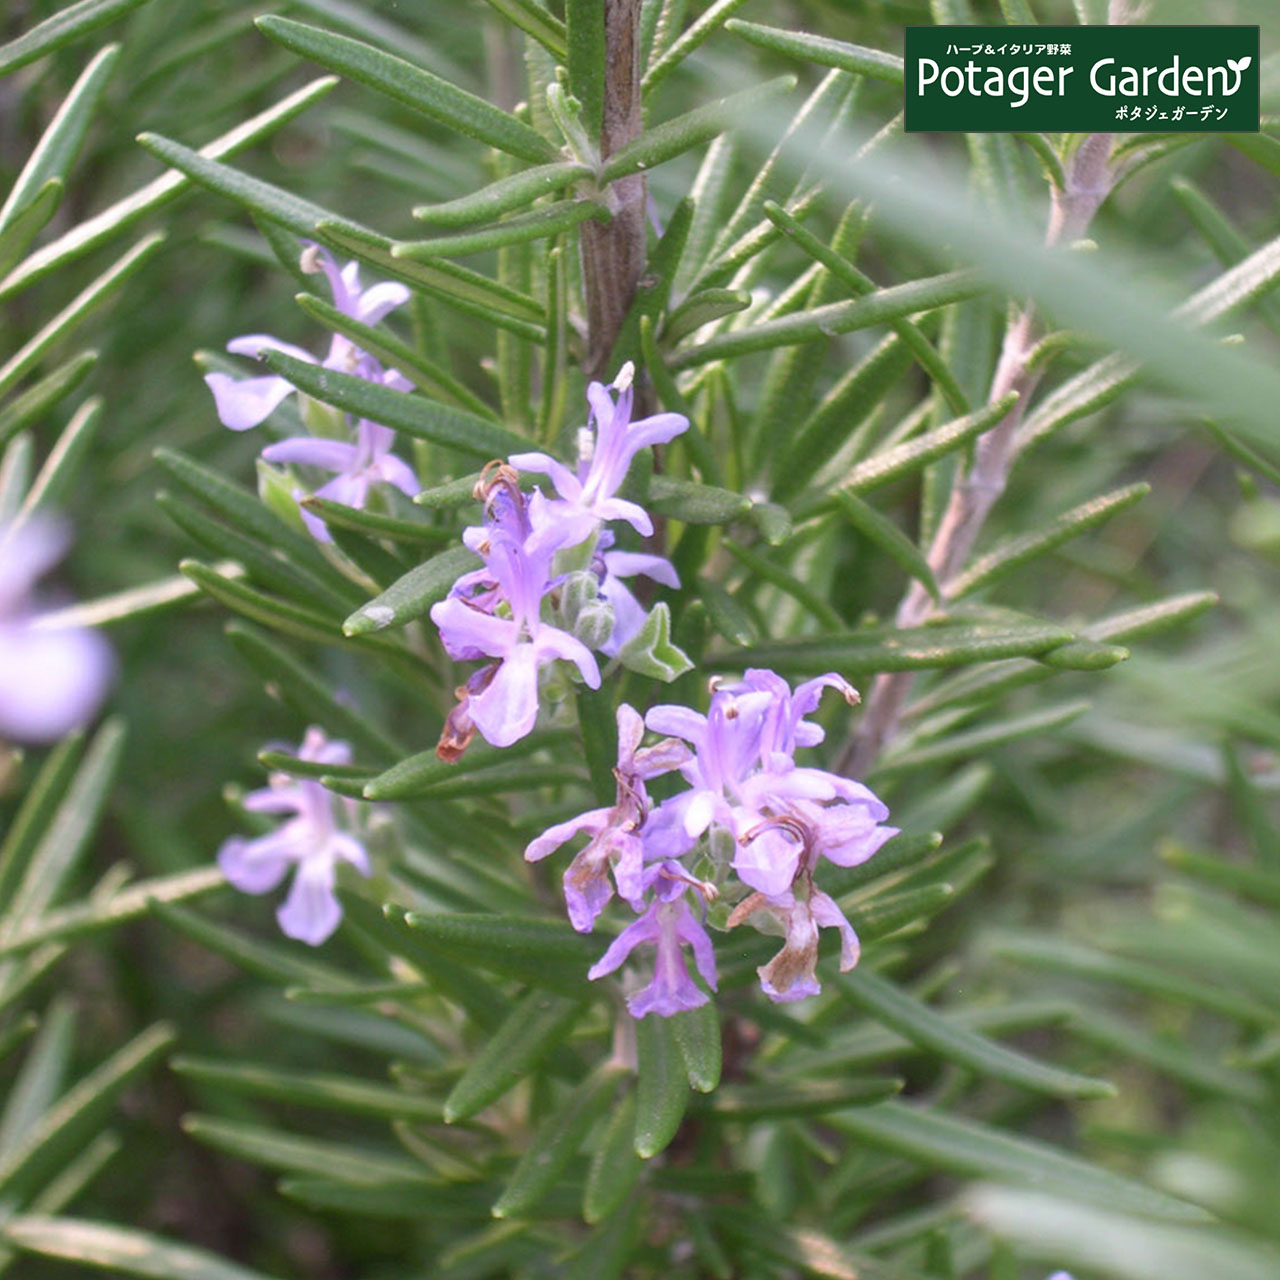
587, 497
616, 833
668, 925
357, 466
310, 840
628, 613
52, 677
243, 403
503, 705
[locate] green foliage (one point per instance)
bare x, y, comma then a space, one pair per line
1060, 1046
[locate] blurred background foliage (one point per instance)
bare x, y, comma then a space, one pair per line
1121, 917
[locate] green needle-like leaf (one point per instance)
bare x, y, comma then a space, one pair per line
118, 1250
888, 537
715, 16
412, 86
26, 223
557, 1142
61, 28
615, 1166
414, 594
402, 411
662, 1087
822, 50
504, 196
697, 1035
33, 403
96, 230
60, 142
586, 57
535, 21
541, 224
666, 141
974, 1150
536, 1025
895, 1009
776, 1100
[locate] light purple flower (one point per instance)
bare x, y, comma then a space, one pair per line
357, 466
668, 925
628, 613
310, 841
515, 579
587, 496
52, 677
616, 833
243, 403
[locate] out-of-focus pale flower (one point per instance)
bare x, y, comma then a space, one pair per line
310, 841
52, 678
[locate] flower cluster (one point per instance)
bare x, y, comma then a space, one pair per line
528, 606
358, 463
312, 841
751, 821
52, 677
748, 811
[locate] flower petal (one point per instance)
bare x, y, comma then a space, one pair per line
553, 837
312, 911
508, 709
311, 451
255, 866
378, 301
52, 680
543, 464
246, 402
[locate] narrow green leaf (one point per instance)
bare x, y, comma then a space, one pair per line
822, 50
536, 1024
899, 460
61, 28
504, 196
1251, 810
728, 618
598, 725
1015, 552
28, 408
541, 224
402, 411
888, 537
413, 595
585, 59
974, 1150
530, 949
607, 1252
39, 805
665, 141
973, 743
861, 285
556, 1142
96, 230
662, 1086
345, 1162
119, 1250
373, 524
66, 830
1114, 1240
27, 222
414, 87
420, 774
78, 1174
467, 291
697, 1036
38, 1082
66, 1126
60, 142
881, 307
615, 1166
898, 1011
77, 311
1084, 655
774, 574
694, 503
947, 645
713, 17
814, 1098
426, 375
273, 961
97, 915
703, 308
310, 1089
535, 21
311, 697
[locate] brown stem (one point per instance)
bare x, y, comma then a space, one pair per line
1089, 180
613, 254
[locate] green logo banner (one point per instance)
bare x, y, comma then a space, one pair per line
1129, 79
